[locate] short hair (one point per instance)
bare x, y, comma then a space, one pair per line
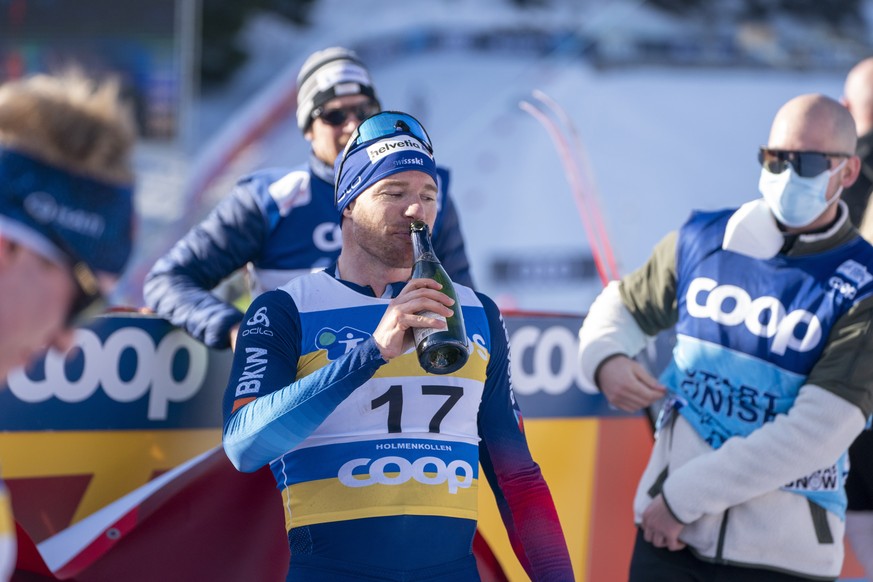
70, 121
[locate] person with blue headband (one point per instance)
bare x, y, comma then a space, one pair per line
66, 205
66, 219
377, 461
280, 223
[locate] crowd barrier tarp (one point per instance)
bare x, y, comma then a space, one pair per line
112, 457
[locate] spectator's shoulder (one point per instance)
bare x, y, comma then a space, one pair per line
487, 303
283, 186
443, 177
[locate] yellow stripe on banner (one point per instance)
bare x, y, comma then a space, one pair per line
566, 451
120, 461
328, 500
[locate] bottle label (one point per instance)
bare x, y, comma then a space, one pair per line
420, 333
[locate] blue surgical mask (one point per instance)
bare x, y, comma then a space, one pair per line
794, 200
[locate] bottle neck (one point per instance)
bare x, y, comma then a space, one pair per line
422, 248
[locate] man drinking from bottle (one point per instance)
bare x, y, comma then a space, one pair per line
377, 461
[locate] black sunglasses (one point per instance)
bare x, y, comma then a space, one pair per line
806, 164
340, 115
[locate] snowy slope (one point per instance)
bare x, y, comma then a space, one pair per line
658, 141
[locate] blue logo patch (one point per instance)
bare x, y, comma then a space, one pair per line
338, 343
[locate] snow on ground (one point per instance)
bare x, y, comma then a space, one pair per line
658, 141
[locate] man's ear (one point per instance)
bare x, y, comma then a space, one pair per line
347, 211
851, 171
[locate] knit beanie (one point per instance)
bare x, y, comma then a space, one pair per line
326, 74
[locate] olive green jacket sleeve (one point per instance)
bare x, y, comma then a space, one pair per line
649, 293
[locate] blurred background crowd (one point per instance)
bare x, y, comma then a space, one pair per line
663, 101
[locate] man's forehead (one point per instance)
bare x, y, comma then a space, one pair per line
809, 124
407, 178
803, 134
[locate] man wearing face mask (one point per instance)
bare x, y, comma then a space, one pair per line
769, 381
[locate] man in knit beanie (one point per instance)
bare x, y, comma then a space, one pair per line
326, 75
282, 223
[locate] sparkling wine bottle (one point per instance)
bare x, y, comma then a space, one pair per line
440, 351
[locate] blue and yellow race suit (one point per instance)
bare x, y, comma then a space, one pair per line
378, 463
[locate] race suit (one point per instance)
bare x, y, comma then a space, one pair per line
769, 384
281, 224
378, 463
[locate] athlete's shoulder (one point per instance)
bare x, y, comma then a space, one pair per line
443, 178
303, 282
466, 295
321, 291
274, 298
485, 301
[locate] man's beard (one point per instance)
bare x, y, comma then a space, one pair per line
388, 250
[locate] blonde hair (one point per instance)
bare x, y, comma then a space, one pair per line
70, 121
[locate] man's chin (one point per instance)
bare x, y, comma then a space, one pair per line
399, 260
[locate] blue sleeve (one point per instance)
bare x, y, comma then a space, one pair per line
267, 410
521, 492
448, 241
179, 285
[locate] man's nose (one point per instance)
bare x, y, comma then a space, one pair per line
415, 210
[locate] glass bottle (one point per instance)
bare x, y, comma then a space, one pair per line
440, 351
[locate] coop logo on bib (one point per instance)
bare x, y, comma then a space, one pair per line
764, 316
456, 474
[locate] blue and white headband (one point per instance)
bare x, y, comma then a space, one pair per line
385, 143
85, 219
370, 162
